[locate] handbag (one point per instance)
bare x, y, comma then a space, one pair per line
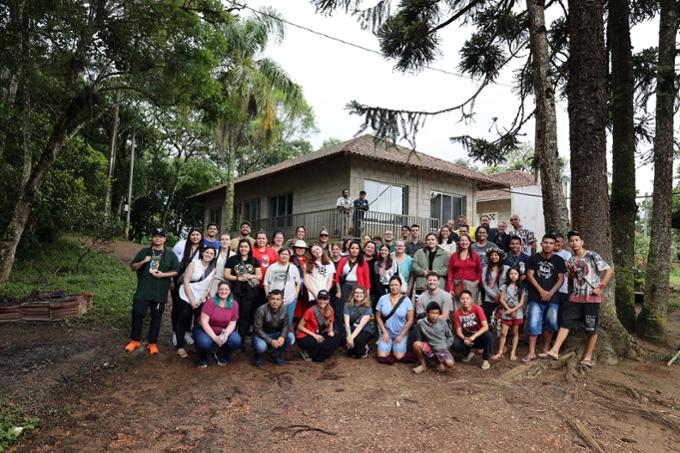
457, 287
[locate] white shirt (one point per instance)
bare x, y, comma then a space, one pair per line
344, 202
566, 256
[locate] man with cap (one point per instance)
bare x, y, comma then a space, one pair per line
245, 234
315, 335
155, 266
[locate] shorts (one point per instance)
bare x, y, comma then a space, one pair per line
542, 317
575, 314
440, 356
392, 346
512, 322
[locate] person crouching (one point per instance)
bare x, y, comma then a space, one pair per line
271, 329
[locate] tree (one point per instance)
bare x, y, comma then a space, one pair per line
80, 50
623, 205
501, 33
587, 92
652, 319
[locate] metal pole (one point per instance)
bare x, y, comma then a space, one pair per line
129, 197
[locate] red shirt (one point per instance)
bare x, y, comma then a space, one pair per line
470, 322
469, 269
266, 259
220, 317
311, 323
363, 275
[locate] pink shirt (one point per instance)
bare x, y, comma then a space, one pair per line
220, 317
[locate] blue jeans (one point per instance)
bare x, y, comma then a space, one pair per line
204, 344
291, 310
542, 316
260, 346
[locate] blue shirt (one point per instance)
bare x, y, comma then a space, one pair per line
215, 244
397, 321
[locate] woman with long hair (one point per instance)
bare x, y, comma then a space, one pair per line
319, 273
315, 334
465, 271
244, 273
223, 254
447, 239
277, 241
430, 258
384, 268
195, 288
345, 246
394, 316
336, 256
217, 327
352, 272
359, 325
187, 251
494, 276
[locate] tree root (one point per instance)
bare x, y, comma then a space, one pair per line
585, 434
654, 415
297, 429
644, 396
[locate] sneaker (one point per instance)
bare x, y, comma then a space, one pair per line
365, 354
174, 339
469, 357
182, 353
257, 361
202, 365
305, 356
131, 346
278, 360
221, 362
188, 339
153, 348
486, 365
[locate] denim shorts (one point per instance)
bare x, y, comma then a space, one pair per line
542, 317
392, 346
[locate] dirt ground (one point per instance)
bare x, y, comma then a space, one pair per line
91, 396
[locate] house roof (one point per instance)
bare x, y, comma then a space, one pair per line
514, 178
366, 146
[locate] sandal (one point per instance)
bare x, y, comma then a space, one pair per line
587, 364
529, 358
552, 355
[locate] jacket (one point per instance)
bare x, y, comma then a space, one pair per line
440, 265
268, 321
363, 274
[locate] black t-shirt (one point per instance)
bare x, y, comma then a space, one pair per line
546, 272
240, 267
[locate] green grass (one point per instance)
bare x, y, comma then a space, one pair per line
52, 267
12, 416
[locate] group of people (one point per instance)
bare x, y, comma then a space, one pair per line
461, 291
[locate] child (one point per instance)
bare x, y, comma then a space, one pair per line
434, 338
512, 299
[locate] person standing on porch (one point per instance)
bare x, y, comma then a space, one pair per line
344, 207
360, 208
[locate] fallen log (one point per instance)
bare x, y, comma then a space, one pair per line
585, 434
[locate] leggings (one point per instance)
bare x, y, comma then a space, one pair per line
319, 352
481, 342
185, 314
247, 304
360, 343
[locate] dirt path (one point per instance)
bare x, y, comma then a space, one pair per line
91, 396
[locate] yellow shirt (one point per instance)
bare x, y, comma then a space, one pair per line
471, 234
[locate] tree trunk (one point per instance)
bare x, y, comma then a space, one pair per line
547, 158
16, 20
587, 92
623, 205
652, 320
112, 153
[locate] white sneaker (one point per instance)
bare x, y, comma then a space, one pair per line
174, 339
469, 357
188, 339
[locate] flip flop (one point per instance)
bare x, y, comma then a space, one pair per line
543, 355
588, 364
528, 359
552, 356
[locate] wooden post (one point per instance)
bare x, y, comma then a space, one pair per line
130, 180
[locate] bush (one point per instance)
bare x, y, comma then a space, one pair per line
11, 417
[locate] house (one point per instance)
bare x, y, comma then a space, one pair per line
403, 187
523, 198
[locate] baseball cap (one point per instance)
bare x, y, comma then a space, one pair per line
158, 232
323, 294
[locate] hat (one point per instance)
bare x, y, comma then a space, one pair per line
501, 253
573, 233
323, 294
300, 244
323, 231
158, 232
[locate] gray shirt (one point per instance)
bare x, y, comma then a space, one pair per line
443, 298
437, 335
482, 249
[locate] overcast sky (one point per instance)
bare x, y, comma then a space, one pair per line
331, 74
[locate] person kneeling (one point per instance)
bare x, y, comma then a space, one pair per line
394, 315
433, 340
271, 329
472, 330
217, 326
316, 338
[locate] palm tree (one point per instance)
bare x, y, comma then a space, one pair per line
254, 91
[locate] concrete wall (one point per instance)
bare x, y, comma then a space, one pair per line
529, 208
420, 184
502, 208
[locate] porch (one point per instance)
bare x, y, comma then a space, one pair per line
339, 225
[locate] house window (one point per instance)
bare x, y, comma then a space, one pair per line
246, 210
386, 197
281, 210
444, 206
215, 215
